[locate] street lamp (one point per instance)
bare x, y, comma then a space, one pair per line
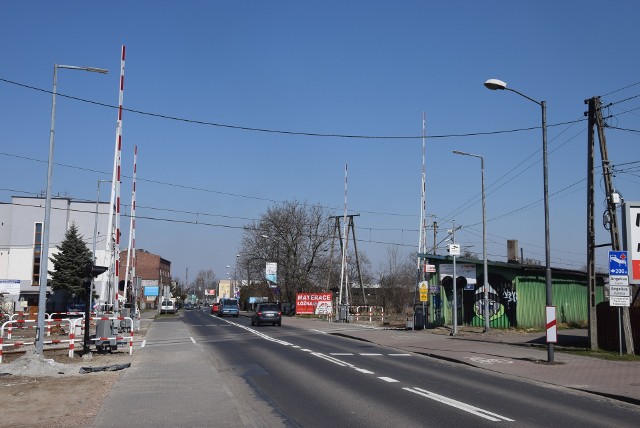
44, 255
495, 84
484, 242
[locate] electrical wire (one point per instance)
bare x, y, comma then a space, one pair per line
275, 131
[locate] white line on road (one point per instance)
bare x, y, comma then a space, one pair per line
387, 379
370, 355
364, 371
144, 342
459, 405
341, 353
319, 331
192, 339
399, 355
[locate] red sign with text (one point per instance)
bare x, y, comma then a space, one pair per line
313, 303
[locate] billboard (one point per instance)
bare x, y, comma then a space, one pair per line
271, 272
151, 290
314, 303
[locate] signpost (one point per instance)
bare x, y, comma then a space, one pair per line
619, 293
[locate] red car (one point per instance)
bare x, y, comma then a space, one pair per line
214, 308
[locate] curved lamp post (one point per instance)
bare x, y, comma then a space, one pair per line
484, 242
495, 84
44, 255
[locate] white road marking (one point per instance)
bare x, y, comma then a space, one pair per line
341, 353
387, 379
483, 360
306, 350
192, 339
319, 331
370, 355
399, 355
144, 342
459, 405
364, 371
331, 359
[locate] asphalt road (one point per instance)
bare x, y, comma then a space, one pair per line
311, 378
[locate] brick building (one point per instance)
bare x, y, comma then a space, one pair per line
152, 270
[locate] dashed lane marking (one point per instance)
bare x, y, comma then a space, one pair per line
192, 339
387, 379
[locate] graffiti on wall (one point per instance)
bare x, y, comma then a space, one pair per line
503, 300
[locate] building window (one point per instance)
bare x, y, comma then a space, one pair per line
37, 250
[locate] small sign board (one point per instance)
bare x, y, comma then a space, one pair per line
424, 296
618, 280
618, 263
430, 268
424, 286
619, 301
619, 291
454, 249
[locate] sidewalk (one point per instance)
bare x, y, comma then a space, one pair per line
172, 382
509, 353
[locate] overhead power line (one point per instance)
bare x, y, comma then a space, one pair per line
285, 132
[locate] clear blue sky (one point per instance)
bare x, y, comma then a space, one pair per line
358, 68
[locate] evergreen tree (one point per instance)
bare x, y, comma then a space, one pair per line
70, 263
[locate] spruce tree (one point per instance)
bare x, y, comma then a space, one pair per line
70, 263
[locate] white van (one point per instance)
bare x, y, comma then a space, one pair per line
168, 307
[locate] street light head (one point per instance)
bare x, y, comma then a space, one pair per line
495, 84
97, 70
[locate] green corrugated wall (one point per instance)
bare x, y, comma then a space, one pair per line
569, 298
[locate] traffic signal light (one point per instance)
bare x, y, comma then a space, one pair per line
92, 271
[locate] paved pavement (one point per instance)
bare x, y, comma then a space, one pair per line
169, 385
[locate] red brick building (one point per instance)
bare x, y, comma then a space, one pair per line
149, 266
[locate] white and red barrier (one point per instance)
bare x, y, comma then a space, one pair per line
73, 324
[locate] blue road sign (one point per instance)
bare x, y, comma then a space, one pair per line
618, 263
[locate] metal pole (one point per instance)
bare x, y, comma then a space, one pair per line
455, 288
547, 245
44, 254
95, 234
484, 253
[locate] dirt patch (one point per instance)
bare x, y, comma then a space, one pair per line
50, 391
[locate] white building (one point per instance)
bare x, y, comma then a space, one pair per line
21, 227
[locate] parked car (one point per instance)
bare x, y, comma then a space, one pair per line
214, 308
168, 307
228, 307
267, 313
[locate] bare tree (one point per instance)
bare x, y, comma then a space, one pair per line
205, 280
398, 279
295, 236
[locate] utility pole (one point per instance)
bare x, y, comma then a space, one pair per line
435, 236
591, 231
595, 117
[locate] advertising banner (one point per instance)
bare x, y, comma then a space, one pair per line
10, 286
271, 272
151, 291
314, 303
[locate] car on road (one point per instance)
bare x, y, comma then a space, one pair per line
214, 308
228, 307
168, 307
267, 313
